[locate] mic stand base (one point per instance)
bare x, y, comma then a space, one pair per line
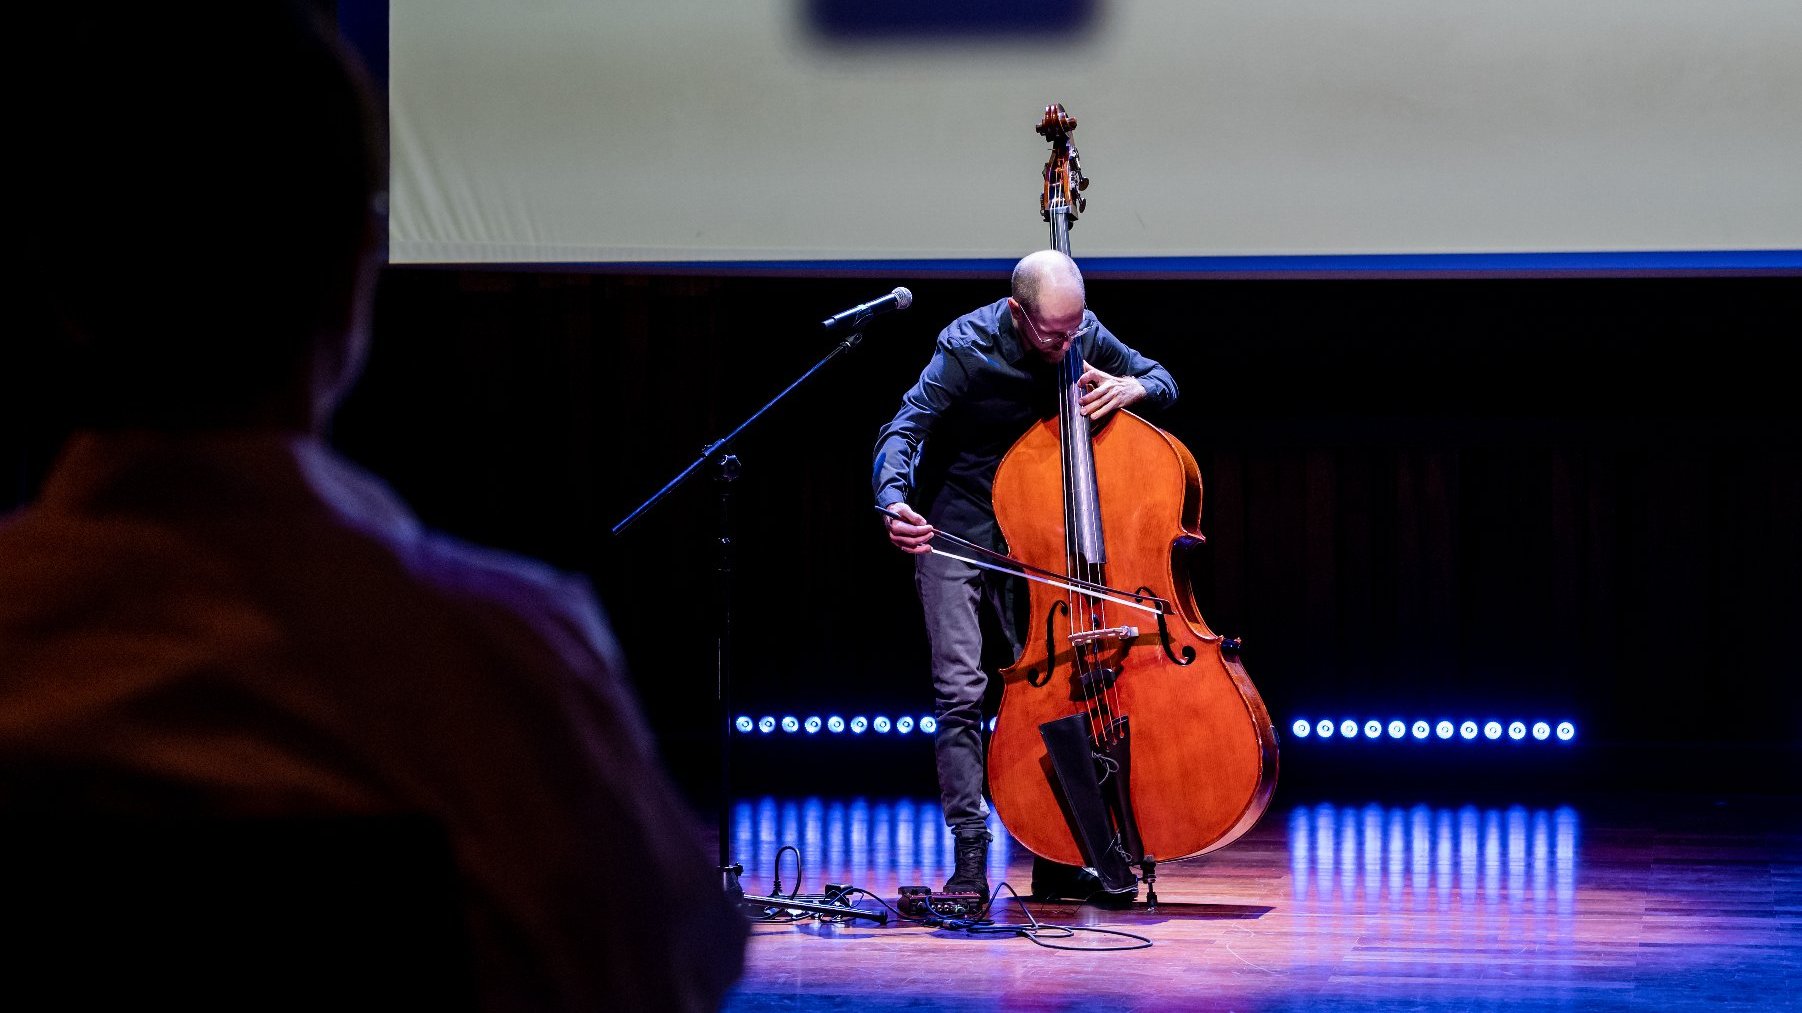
814, 907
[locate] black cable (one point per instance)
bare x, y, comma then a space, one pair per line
776, 915
1032, 930
779, 916
776, 890
844, 897
1036, 931
900, 915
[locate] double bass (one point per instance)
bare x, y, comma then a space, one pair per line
1129, 732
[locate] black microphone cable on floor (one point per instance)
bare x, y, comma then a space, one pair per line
1033, 930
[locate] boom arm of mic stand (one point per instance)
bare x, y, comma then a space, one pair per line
722, 443
726, 470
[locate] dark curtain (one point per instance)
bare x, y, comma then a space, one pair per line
1512, 497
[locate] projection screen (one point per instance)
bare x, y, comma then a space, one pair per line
1216, 132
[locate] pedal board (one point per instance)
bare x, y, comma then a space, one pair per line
923, 902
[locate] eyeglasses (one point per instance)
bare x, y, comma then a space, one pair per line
1046, 339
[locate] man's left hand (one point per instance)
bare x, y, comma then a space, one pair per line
1104, 393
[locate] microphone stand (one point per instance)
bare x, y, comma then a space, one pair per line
726, 469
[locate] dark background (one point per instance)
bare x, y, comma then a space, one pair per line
1511, 497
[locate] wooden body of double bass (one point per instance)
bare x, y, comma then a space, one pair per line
1203, 751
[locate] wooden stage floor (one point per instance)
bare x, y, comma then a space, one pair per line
1645, 903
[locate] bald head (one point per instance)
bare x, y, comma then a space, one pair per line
1044, 274
1047, 307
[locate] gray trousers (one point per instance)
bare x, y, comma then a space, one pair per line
973, 622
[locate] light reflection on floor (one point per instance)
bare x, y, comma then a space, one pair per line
1662, 902
1364, 853
1372, 852
877, 844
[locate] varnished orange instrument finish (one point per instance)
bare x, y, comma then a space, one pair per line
1203, 753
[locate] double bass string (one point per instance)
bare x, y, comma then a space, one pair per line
1076, 606
1105, 708
1082, 507
1082, 520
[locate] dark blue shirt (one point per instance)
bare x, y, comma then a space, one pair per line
982, 390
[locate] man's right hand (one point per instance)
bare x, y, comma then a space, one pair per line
911, 533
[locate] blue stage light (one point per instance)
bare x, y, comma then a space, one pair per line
1372, 729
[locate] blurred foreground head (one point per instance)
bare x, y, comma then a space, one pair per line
204, 202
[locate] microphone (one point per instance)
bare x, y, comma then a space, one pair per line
899, 299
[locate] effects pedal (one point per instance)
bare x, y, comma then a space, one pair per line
911, 901
922, 902
956, 904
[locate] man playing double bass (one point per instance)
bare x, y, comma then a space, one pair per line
992, 375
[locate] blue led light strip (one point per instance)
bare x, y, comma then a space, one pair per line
1421, 730
833, 724
1321, 729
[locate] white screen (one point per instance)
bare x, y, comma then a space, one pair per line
579, 131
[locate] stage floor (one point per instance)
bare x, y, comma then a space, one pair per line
1643, 903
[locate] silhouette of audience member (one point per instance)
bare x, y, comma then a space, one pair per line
207, 599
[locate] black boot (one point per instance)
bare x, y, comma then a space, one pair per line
1053, 881
971, 873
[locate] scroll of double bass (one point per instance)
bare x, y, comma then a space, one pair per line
1129, 732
